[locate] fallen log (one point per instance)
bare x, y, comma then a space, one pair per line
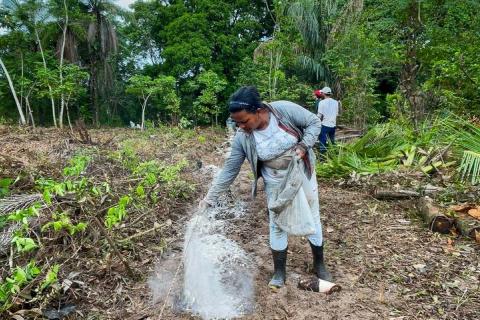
467, 225
433, 217
344, 138
394, 195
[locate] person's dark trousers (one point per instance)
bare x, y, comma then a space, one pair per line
327, 133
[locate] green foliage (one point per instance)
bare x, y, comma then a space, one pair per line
184, 123
162, 87
470, 166
202, 139
465, 138
397, 144
78, 164
355, 57
23, 215
50, 187
12, 285
4, 186
23, 244
127, 155
274, 85
210, 85
117, 213
387, 147
50, 279
61, 221
154, 172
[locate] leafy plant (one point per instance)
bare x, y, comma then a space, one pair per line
465, 138
23, 215
62, 222
210, 84
470, 166
78, 164
24, 244
4, 186
12, 285
50, 279
117, 213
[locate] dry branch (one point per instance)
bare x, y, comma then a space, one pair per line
81, 128
114, 247
394, 195
142, 233
437, 221
18, 202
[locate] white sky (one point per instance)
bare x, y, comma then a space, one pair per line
124, 3
121, 3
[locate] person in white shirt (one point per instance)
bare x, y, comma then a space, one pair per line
328, 110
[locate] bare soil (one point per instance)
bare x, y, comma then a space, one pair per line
389, 265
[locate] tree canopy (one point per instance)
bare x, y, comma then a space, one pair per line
383, 59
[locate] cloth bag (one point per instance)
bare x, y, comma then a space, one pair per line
292, 201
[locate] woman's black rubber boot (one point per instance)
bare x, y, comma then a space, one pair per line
280, 266
318, 264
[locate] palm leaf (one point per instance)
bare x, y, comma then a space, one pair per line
470, 166
304, 15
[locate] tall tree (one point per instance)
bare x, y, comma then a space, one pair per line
14, 93
102, 43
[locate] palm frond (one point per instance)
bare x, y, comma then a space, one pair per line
313, 66
304, 14
470, 166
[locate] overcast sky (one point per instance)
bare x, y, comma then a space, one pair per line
124, 3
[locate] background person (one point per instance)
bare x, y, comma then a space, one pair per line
328, 110
270, 133
317, 96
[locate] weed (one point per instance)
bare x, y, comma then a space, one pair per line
184, 123
23, 244
117, 213
5, 186
202, 139
50, 279
127, 156
23, 215
78, 164
62, 222
12, 285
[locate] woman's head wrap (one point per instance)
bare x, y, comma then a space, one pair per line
246, 98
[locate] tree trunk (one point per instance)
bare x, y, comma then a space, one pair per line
27, 102
21, 88
143, 116
144, 106
68, 118
62, 52
54, 113
14, 94
408, 77
467, 225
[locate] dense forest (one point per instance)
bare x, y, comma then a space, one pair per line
178, 61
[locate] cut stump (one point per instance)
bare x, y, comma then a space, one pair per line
432, 215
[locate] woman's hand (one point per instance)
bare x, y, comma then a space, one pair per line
300, 150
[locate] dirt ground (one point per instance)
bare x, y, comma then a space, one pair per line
389, 265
